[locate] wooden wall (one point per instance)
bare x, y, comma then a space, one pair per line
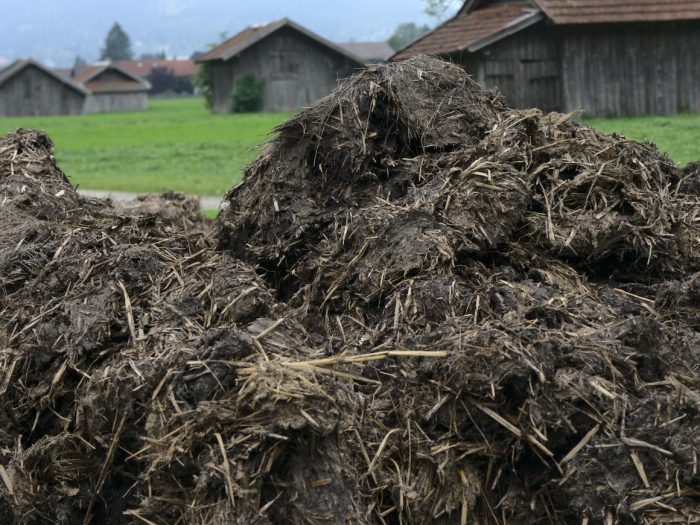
32, 92
633, 69
113, 102
606, 70
297, 71
524, 67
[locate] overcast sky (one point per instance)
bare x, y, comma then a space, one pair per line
55, 31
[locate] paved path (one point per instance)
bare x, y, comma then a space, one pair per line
206, 202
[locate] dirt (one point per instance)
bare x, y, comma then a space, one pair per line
419, 306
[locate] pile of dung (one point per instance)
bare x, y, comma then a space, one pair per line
419, 306
552, 267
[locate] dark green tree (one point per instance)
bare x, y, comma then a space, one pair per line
405, 34
79, 62
248, 95
202, 81
117, 45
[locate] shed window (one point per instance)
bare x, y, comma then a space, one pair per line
27, 88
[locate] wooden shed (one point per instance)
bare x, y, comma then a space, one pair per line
112, 88
607, 57
27, 88
298, 66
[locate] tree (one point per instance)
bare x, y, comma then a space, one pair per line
405, 34
163, 80
202, 80
117, 45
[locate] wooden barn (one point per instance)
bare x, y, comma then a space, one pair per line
27, 88
112, 88
607, 57
298, 66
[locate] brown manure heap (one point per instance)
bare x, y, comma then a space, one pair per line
420, 306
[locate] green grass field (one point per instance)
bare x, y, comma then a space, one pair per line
179, 145
677, 136
176, 145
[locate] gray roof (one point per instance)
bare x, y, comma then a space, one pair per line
18, 65
372, 51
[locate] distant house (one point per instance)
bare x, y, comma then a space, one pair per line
608, 57
28, 88
143, 68
298, 66
370, 52
112, 89
182, 70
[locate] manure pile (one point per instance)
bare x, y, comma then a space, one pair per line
420, 306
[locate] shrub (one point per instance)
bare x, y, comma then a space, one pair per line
248, 95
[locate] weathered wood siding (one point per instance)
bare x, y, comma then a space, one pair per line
524, 67
632, 69
31, 92
605, 70
297, 71
112, 102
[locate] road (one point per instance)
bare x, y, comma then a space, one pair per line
206, 202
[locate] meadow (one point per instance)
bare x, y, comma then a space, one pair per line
678, 136
179, 145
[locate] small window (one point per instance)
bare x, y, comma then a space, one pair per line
27, 88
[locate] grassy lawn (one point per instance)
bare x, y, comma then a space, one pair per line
677, 136
179, 145
176, 145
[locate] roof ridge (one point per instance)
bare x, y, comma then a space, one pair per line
253, 34
19, 64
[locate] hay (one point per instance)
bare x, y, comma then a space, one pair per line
420, 306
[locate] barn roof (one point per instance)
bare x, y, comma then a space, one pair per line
477, 24
369, 51
254, 34
89, 77
475, 30
143, 68
604, 11
19, 65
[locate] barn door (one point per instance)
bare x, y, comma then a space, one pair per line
542, 84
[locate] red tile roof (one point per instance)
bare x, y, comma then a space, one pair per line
143, 68
90, 78
85, 72
468, 31
605, 11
